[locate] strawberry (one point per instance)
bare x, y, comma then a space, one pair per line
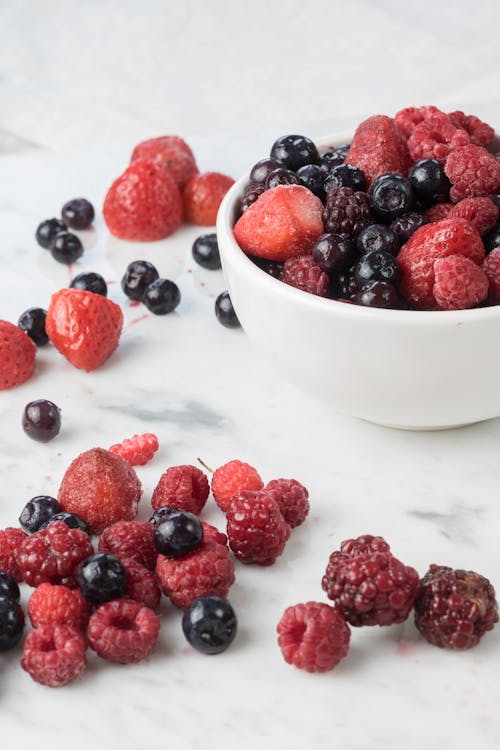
169, 152
84, 327
284, 222
17, 356
203, 195
144, 204
379, 147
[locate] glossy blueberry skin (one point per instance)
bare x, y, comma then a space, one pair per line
263, 167
136, 279
333, 253
47, 230
378, 265
11, 623
209, 624
205, 252
492, 239
345, 175
161, 296
101, 577
72, 520
429, 182
295, 151
66, 248
406, 224
313, 178
32, 321
330, 159
38, 512
8, 587
160, 513
281, 176
177, 534
391, 195
90, 282
224, 311
41, 420
377, 237
377, 294
78, 213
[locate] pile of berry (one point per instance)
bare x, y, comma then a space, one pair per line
406, 216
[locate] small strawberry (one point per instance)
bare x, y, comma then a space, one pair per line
84, 327
379, 147
17, 356
144, 204
169, 152
203, 195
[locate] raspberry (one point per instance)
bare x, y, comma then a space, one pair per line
292, 498
130, 539
378, 147
303, 273
208, 570
137, 450
212, 534
368, 585
123, 631
458, 283
256, 529
202, 196
455, 608
52, 554
480, 133
407, 119
57, 605
54, 655
313, 636
142, 584
17, 356
480, 211
10, 541
491, 267
438, 212
347, 212
169, 152
183, 487
472, 171
435, 138
233, 477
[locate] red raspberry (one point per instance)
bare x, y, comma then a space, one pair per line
212, 534
407, 119
202, 196
458, 283
233, 477
169, 152
313, 636
379, 147
368, 585
58, 605
347, 212
209, 570
10, 541
52, 554
435, 137
123, 630
256, 529
137, 450
282, 223
455, 608
292, 498
491, 267
481, 212
480, 133
100, 487
17, 356
303, 273
142, 584
54, 655
182, 487
438, 212
472, 171
132, 539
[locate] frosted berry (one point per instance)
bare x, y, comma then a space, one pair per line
11, 623
130, 539
11, 540
32, 321
205, 252
313, 636
52, 554
481, 134
224, 311
202, 196
78, 213
281, 176
480, 211
57, 605
472, 171
345, 175
160, 513
178, 534
435, 138
123, 631
54, 655
209, 624
390, 196
491, 267
137, 450
90, 282
459, 283
378, 265
41, 420
406, 224
70, 519
66, 247
142, 585
101, 577
183, 487
303, 273
256, 529
162, 296
138, 276
232, 477
313, 178
292, 498
295, 151
377, 237
252, 192
429, 181
47, 230
38, 512
8, 587
347, 212
333, 157
333, 253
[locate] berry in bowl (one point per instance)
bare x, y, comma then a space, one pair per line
366, 267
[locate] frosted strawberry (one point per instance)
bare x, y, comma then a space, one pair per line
171, 153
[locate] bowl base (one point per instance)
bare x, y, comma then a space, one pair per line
419, 428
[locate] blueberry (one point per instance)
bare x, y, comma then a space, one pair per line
47, 230
333, 158
66, 247
378, 265
101, 577
41, 420
377, 294
377, 237
344, 285
252, 191
177, 534
38, 512
295, 151
391, 195
333, 253
224, 311
272, 267
313, 178
281, 176
429, 182
90, 282
161, 296
209, 624
11, 623
159, 513
263, 168
72, 520
33, 322
406, 224
137, 277
345, 175
205, 251
78, 213
8, 587
492, 239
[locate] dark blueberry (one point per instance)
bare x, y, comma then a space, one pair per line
333, 158
11, 623
165, 510
344, 286
263, 168
177, 534
224, 311
38, 512
345, 175
90, 282
72, 520
391, 195
312, 177
78, 213
161, 296
41, 420
66, 248
281, 176
33, 322
47, 230
271, 267
495, 199
377, 266
492, 239
406, 224
377, 237
429, 182
205, 251
333, 253
138, 276
295, 151
101, 578
252, 191
209, 624
8, 587
377, 294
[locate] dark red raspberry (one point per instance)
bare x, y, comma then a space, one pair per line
212, 534
58, 605
491, 267
407, 119
10, 541
368, 584
378, 147
137, 450
292, 498
182, 487
209, 570
123, 630
52, 554
132, 539
313, 636
303, 273
435, 138
438, 212
481, 134
54, 655
347, 212
472, 171
233, 477
455, 608
142, 584
256, 529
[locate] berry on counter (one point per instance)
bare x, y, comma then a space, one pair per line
10, 541
41, 420
231, 478
212, 534
202, 196
137, 450
101, 577
294, 151
378, 147
458, 283
378, 265
9, 587
47, 230
209, 624
37, 512
32, 322
177, 534
183, 488
205, 252
390, 196
256, 530
429, 182
57, 605
333, 253
377, 237
17, 356
70, 519
161, 296
171, 153
347, 212
78, 213
377, 294
224, 311
66, 247
292, 498
90, 282
302, 273
132, 540
313, 636
142, 585
136, 279
345, 175
54, 655
11, 623
123, 631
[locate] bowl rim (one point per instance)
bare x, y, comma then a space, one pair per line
229, 247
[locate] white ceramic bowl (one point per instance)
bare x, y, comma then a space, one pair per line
406, 369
